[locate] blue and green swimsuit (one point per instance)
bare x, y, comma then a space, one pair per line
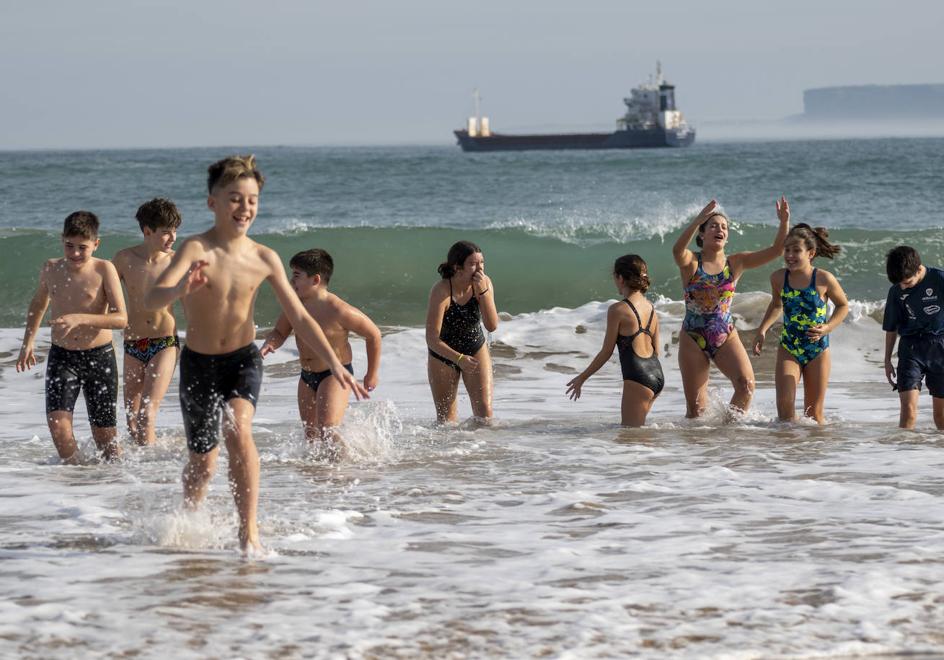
802, 309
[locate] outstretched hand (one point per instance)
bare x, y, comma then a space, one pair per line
707, 212
890, 374
348, 382
783, 210
759, 343
27, 359
194, 278
574, 386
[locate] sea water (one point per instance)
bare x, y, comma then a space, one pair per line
554, 532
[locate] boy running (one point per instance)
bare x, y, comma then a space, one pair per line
914, 311
84, 295
217, 275
321, 399
148, 367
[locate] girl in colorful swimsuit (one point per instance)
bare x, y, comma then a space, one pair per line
802, 292
459, 304
636, 340
708, 332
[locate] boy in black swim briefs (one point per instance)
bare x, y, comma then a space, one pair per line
321, 399
914, 312
85, 301
217, 275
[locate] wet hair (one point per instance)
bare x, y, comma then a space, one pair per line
701, 228
159, 213
456, 257
814, 238
901, 263
81, 223
224, 172
634, 271
314, 262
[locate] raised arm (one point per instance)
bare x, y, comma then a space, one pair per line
306, 328
183, 276
747, 260
834, 293
115, 316
34, 317
575, 385
774, 309
484, 291
680, 252
277, 336
356, 321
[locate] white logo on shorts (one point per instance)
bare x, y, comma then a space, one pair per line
928, 292
932, 309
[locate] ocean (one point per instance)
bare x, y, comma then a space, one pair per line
554, 532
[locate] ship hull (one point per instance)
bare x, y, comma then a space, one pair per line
625, 139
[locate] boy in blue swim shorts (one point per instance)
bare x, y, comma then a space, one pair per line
914, 312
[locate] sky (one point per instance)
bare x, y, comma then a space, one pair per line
176, 73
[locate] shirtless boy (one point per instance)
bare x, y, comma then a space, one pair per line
321, 399
217, 275
148, 366
84, 295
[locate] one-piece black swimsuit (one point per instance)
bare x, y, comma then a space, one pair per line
647, 371
461, 328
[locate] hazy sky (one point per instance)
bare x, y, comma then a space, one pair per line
117, 73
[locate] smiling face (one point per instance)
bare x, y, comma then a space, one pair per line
796, 255
235, 205
714, 232
303, 283
77, 250
161, 239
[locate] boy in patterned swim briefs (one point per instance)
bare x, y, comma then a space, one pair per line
148, 367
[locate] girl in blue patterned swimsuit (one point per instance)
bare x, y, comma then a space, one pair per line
802, 293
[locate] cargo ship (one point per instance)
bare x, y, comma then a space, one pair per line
651, 120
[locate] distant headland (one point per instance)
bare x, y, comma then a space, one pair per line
874, 102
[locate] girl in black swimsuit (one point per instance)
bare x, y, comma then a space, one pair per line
632, 327
459, 304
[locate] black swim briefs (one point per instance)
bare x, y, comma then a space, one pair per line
313, 378
94, 371
207, 382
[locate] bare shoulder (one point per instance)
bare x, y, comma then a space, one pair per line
440, 289
777, 276
268, 256
193, 246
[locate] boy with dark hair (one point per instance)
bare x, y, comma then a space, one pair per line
914, 311
86, 305
148, 367
321, 400
217, 275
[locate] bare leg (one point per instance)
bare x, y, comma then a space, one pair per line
133, 384
637, 401
243, 468
106, 439
332, 403
479, 385
694, 365
444, 383
909, 409
196, 477
731, 359
787, 374
815, 382
157, 377
308, 410
60, 427
938, 404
